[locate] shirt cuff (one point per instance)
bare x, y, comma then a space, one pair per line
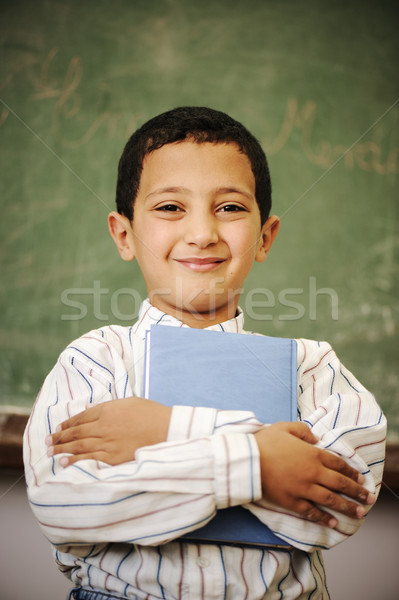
191, 422
236, 469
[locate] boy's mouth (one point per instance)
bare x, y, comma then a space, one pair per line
200, 264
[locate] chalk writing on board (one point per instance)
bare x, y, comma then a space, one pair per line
65, 91
373, 155
375, 152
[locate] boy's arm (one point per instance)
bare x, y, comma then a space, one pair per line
223, 422
112, 431
349, 424
169, 489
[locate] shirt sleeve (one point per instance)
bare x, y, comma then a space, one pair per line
190, 422
348, 422
166, 491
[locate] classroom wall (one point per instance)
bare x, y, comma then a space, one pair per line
363, 568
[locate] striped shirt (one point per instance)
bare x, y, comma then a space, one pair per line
114, 528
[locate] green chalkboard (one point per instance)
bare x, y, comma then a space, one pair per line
316, 82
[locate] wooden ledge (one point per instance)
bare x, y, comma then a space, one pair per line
12, 425
13, 422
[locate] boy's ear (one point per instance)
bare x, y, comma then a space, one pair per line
267, 237
121, 232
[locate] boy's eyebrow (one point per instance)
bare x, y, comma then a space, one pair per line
216, 192
233, 190
168, 190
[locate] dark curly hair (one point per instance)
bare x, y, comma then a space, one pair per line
199, 125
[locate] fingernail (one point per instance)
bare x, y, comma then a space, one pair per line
370, 498
64, 461
360, 512
58, 428
50, 451
332, 523
49, 440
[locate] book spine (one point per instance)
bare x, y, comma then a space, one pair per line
147, 364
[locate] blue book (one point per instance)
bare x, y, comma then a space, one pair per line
197, 367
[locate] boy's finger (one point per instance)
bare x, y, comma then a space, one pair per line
75, 447
311, 512
66, 461
336, 482
327, 498
86, 416
301, 431
60, 437
335, 463
77, 432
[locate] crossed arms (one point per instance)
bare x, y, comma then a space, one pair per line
128, 453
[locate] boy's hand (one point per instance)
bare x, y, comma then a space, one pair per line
297, 475
111, 432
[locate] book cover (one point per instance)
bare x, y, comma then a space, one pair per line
197, 367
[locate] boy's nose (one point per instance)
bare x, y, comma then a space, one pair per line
201, 230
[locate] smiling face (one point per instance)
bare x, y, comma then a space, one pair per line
196, 230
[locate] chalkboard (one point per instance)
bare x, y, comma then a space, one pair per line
316, 82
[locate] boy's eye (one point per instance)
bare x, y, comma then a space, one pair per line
232, 208
168, 208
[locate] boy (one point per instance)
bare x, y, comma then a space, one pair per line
123, 478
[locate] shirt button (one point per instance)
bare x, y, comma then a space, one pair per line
202, 562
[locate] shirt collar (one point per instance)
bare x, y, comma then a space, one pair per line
149, 315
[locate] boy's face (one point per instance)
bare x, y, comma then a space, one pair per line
196, 230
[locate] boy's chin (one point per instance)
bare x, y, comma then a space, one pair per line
200, 311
